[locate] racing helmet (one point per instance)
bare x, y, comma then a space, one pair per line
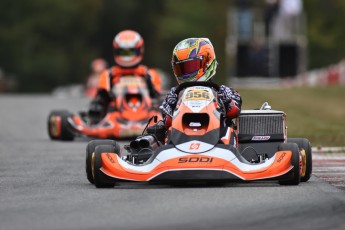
98, 65
128, 48
194, 59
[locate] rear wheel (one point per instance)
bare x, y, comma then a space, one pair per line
58, 127
306, 152
294, 161
99, 178
90, 149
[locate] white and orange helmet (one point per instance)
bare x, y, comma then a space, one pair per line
128, 48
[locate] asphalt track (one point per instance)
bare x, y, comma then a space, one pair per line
43, 186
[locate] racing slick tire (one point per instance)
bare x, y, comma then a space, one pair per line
90, 149
60, 130
304, 144
99, 178
295, 162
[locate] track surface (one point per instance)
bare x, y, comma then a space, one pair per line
330, 167
43, 186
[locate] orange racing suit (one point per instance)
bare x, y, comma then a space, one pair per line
110, 77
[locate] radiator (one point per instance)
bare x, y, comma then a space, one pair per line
261, 124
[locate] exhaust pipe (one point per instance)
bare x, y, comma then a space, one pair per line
148, 142
134, 145
143, 147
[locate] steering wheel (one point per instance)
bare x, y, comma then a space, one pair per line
184, 85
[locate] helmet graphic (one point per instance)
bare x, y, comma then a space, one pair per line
128, 48
194, 59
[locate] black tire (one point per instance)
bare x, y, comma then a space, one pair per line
99, 178
90, 149
294, 161
304, 144
65, 133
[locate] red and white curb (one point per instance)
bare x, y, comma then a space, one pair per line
329, 165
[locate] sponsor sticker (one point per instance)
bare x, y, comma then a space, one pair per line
281, 157
197, 95
194, 124
261, 138
110, 158
195, 160
194, 146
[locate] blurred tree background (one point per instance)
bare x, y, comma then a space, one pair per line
326, 31
46, 43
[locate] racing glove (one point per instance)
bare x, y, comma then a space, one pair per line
152, 91
231, 100
96, 111
225, 94
169, 103
98, 107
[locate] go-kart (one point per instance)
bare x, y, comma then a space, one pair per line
202, 146
126, 117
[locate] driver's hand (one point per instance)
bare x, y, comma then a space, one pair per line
112, 96
171, 98
166, 109
225, 94
97, 110
170, 102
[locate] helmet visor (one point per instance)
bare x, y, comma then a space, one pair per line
187, 66
127, 52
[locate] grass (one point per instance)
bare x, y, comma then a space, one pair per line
317, 114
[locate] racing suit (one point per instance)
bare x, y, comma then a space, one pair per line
232, 102
110, 77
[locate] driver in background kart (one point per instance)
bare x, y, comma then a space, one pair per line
128, 48
194, 59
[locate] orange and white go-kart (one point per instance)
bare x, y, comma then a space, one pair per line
201, 146
127, 115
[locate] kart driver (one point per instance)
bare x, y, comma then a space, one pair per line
128, 49
194, 59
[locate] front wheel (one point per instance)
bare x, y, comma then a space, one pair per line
294, 161
100, 179
90, 149
305, 149
58, 126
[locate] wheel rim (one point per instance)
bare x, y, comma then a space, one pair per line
93, 165
55, 126
303, 162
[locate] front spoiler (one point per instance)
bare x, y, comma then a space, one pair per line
217, 164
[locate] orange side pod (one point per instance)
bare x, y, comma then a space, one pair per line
112, 168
